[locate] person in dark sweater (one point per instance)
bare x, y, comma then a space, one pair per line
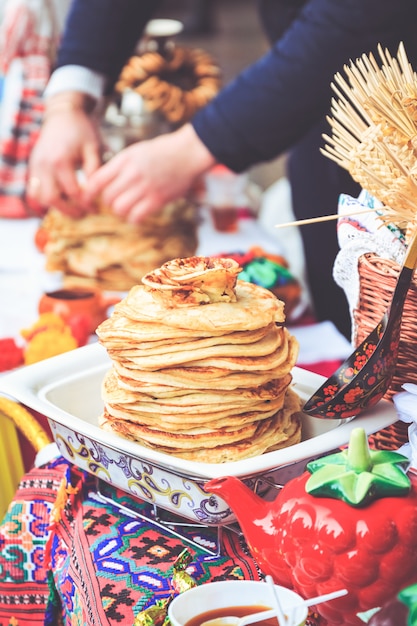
277, 105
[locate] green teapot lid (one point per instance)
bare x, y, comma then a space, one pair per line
359, 475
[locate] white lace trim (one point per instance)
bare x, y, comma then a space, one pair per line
357, 235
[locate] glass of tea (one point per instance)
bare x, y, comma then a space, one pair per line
225, 195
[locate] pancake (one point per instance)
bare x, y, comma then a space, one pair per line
103, 250
128, 345
121, 329
114, 391
186, 353
176, 413
283, 430
191, 377
255, 307
200, 379
193, 281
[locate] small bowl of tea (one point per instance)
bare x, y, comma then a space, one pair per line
218, 602
66, 302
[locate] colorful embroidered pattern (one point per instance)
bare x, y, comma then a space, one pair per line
107, 563
23, 536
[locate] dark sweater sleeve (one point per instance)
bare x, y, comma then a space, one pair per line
102, 34
277, 100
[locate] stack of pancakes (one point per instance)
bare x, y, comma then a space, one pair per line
201, 364
103, 250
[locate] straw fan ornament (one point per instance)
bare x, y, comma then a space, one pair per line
374, 132
374, 136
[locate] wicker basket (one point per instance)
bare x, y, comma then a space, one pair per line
377, 280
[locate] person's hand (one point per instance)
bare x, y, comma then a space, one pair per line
145, 176
69, 141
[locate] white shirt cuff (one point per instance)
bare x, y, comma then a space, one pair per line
76, 78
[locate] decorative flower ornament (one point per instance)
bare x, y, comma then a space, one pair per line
175, 85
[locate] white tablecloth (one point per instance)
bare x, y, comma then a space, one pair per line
23, 278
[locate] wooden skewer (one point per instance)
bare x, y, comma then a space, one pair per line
323, 218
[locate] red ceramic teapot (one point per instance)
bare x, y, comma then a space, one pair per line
349, 521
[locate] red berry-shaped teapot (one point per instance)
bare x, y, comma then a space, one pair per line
349, 521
